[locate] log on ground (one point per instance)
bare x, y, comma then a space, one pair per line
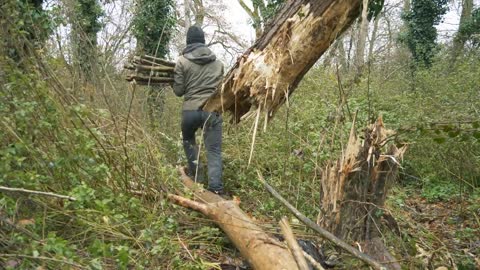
262, 251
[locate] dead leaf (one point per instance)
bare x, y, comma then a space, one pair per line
25, 222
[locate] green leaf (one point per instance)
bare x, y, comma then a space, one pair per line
439, 140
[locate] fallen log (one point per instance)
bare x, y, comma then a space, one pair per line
146, 68
268, 73
262, 251
158, 60
146, 79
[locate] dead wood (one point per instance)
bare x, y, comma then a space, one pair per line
292, 243
268, 73
324, 233
27, 191
149, 80
146, 68
158, 60
262, 251
355, 187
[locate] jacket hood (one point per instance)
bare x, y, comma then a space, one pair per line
199, 53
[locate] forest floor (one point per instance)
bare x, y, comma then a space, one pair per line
442, 230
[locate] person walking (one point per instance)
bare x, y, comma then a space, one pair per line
197, 74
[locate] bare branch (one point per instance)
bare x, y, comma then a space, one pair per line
21, 190
293, 244
324, 233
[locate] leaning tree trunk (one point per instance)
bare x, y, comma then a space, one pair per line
355, 187
271, 69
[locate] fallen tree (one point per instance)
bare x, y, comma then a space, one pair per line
268, 73
262, 251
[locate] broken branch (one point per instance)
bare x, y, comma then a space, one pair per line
324, 233
21, 190
293, 244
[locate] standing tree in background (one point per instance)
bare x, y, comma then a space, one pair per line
460, 38
32, 21
421, 34
153, 26
261, 13
85, 21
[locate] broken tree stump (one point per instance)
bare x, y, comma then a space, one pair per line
268, 73
354, 189
262, 251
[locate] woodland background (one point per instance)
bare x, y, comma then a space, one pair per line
70, 124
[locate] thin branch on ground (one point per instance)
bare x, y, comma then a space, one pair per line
324, 233
21, 190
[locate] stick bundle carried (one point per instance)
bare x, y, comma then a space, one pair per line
149, 70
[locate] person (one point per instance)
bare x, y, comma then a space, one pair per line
197, 74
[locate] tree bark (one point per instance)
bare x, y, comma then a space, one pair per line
273, 67
362, 39
188, 21
354, 189
262, 251
373, 38
459, 40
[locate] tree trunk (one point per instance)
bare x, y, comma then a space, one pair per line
373, 38
188, 21
362, 39
459, 40
355, 188
255, 16
272, 68
262, 251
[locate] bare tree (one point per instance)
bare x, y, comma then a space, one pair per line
209, 16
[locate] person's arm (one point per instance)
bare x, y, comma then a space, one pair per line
179, 80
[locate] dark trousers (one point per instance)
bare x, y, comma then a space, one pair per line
211, 123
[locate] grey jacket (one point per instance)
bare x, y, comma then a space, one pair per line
197, 75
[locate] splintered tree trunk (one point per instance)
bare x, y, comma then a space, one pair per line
271, 69
355, 188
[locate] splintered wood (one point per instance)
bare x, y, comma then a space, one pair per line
149, 70
354, 188
267, 74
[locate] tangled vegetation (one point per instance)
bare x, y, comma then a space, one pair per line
119, 170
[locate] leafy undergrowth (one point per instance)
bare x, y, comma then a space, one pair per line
438, 233
96, 145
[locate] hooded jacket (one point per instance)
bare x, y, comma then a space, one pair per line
197, 75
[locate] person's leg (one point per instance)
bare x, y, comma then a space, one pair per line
213, 145
191, 121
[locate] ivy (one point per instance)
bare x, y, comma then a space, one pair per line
421, 34
85, 26
153, 26
470, 30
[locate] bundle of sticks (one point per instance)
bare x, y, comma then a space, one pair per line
149, 70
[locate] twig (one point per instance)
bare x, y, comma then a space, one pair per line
293, 244
2, 188
185, 247
312, 261
324, 233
